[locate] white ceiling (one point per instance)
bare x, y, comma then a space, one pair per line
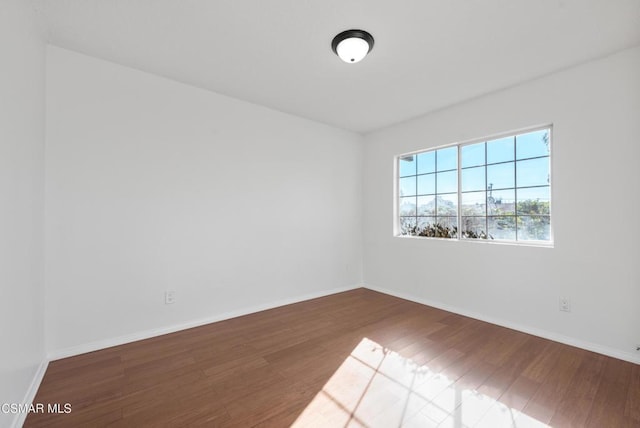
428, 54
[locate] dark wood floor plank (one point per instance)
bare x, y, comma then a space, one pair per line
608, 408
580, 394
632, 406
512, 363
358, 358
519, 393
553, 387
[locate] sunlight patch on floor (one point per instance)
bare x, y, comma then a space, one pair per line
376, 387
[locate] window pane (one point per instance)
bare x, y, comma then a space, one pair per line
426, 205
447, 205
498, 189
500, 176
407, 225
474, 227
532, 144
426, 221
503, 227
536, 228
426, 162
407, 165
427, 184
533, 201
447, 227
472, 155
447, 182
533, 172
473, 179
447, 158
440, 227
501, 202
500, 150
473, 203
407, 206
408, 186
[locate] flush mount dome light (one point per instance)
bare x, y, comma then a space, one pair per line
352, 45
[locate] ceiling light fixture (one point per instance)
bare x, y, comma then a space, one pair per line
352, 45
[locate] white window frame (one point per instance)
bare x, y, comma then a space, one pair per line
397, 230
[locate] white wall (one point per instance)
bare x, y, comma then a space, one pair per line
155, 185
595, 110
21, 201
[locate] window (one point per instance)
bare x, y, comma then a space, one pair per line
496, 189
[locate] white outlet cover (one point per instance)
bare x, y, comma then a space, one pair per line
169, 297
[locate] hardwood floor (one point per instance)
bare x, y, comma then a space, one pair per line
358, 358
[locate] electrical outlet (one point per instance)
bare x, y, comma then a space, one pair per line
565, 304
169, 297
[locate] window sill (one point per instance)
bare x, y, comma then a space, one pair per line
540, 244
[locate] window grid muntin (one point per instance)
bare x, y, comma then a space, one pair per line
515, 214
515, 161
413, 217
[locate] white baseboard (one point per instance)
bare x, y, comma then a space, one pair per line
120, 340
30, 395
593, 347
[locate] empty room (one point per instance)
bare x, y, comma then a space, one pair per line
319, 213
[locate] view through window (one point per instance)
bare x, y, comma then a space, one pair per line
494, 189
